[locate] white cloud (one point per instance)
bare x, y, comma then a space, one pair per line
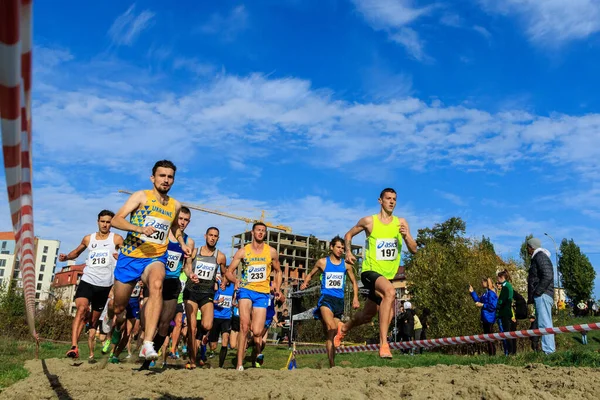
227, 27
451, 197
394, 17
129, 25
409, 38
307, 122
452, 20
551, 22
194, 66
482, 31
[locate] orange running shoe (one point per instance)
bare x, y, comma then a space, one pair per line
384, 351
339, 336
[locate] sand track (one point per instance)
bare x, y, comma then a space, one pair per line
61, 378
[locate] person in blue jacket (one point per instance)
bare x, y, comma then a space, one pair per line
487, 302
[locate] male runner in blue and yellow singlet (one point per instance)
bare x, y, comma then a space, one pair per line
257, 258
144, 253
330, 307
385, 235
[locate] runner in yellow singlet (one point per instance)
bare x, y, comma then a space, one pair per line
385, 235
144, 252
257, 259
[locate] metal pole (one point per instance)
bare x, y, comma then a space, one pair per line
556, 278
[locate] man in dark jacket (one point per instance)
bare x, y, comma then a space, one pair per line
540, 284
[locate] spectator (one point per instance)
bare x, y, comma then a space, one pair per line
504, 310
535, 340
408, 323
584, 337
418, 328
487, 302
284, 323
540, 289
594, 309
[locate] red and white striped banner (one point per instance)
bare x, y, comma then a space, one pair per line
15, 111
489, 337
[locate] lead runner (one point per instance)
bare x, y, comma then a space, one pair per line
385, 235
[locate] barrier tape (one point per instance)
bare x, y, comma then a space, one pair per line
489, 337
15, 112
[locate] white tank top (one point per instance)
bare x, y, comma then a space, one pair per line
100, 263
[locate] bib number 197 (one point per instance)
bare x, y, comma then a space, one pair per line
387, 249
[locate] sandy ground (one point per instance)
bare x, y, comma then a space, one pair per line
63, 379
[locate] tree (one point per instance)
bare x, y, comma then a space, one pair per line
445, 233
577, 272
525, 257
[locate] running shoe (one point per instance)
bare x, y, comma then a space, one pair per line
240, 368
211, 354
339, 336
73, 353
260, 359
106, 346
384, 351
113, 359
148, 352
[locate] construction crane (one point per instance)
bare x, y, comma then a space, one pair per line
227, 215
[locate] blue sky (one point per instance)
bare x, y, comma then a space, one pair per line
307, 109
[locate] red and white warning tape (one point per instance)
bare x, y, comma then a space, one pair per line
489, 337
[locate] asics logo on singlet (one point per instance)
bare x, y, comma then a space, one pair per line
255, 269
388, 245
158, 225
174, 257
100, 253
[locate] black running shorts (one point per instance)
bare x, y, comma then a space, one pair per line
96, 295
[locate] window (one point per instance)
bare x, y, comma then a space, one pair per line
40, 277
45, 249
37, 295
4, 252
2, 263
1, 272
1, 280
42, 268
39, 286
56, 251
55, 260
3, 245
44, 258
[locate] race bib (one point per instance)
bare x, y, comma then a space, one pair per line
257, 273
227, 301
387, 249
173, 258
100, 258
161, 234
334, 280
205, 271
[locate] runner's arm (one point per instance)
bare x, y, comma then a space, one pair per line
118, 240
278, 275
188, 265
237, 258
133, 203
360, 226
318, 268
85, 242
350, 273
408, 239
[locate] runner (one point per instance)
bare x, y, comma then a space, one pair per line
235, 321
257, 258
199, 291
385, 234
144, 252
172, 284
96, 281
330, 307
222, 322
180, 325
121, 337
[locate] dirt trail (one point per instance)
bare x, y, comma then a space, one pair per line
63, 379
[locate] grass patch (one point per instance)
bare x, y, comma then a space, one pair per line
573, 353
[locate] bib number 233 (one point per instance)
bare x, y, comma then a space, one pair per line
257, 273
